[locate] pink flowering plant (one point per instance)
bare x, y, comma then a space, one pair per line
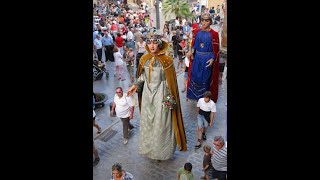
168, 103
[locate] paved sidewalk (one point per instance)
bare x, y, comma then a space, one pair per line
111, 149
142, 168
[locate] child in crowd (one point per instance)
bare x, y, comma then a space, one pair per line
131, 57
185, 173
170, 50
207, 164
185, 76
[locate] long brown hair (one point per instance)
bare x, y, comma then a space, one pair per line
115, 49
117, 167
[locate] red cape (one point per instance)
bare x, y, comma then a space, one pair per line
214, 81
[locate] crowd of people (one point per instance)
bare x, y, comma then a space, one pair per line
130, 41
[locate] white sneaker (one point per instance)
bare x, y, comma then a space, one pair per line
125, 141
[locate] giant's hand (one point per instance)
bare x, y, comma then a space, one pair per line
209, 62
131, 90
189, 55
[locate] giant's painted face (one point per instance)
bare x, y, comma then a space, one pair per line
153, 45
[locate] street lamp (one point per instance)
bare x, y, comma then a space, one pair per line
157, 15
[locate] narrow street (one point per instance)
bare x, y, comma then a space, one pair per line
112, 150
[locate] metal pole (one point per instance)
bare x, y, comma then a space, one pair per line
157, 15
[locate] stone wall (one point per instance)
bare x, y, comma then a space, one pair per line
215, 3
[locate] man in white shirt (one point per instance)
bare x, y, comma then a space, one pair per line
137, 35
130, 39
206, 108
144, 5
124, 107
184, 21
108, 25
98, 45
135, 14
130, 34
130, 16
176, 22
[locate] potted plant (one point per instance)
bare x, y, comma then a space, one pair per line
100, 99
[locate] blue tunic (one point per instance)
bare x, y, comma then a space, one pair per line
200, 74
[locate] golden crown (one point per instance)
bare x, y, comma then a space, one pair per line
153, 34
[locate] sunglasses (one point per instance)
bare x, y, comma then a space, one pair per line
149, 41
118, 92
206, 20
